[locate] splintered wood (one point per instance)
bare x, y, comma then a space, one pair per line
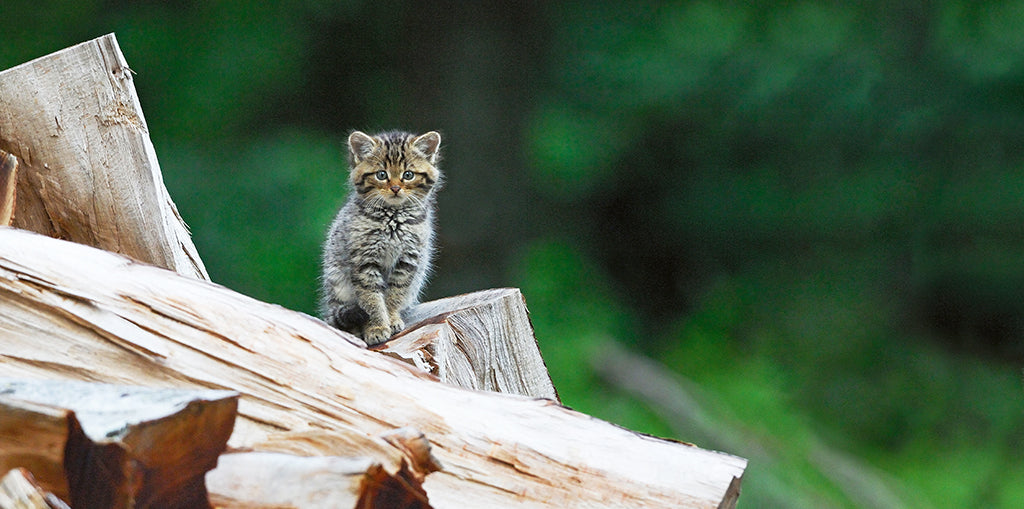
19, 490
8, 187
311, 390
483, 340
88, 171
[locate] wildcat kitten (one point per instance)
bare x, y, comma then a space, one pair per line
379, 246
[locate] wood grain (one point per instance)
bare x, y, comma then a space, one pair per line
254, 480
482, 340
88, 170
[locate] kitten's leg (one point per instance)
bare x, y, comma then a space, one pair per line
369, 283
402, 288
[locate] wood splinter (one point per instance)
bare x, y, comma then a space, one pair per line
19, 490
8, 185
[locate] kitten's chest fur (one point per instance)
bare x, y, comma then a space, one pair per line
386, 234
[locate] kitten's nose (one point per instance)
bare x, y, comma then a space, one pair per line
395, 189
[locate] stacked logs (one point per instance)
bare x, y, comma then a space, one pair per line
130, 380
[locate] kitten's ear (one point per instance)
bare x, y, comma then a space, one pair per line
360, 146
428, 145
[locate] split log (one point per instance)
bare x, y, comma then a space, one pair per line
483, 340
8, 187
102, 446
252, 480
105, 318
19, 490
88, 171
255, 480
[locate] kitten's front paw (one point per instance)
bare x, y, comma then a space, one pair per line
377, 334
397, 325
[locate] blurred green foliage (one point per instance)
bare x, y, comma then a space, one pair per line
811, 213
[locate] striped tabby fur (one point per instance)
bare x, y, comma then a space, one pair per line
378, 249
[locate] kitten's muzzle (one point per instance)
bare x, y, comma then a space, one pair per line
395, 189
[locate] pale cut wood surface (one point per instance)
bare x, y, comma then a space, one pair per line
482, 340
88, 172
73, 312
117, 446
268, 479
278, 479
254, 480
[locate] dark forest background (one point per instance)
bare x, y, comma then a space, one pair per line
811, 214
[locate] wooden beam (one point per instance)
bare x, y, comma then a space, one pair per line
88, 171
308, 386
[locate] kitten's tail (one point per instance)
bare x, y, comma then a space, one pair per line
350, 318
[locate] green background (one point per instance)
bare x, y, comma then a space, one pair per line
806, 215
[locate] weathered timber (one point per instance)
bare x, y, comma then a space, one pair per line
482, 340
105, 318
101, 446
8, 186
88, 171
19, 490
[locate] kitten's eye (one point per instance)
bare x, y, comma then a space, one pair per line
407, 175
382, 175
